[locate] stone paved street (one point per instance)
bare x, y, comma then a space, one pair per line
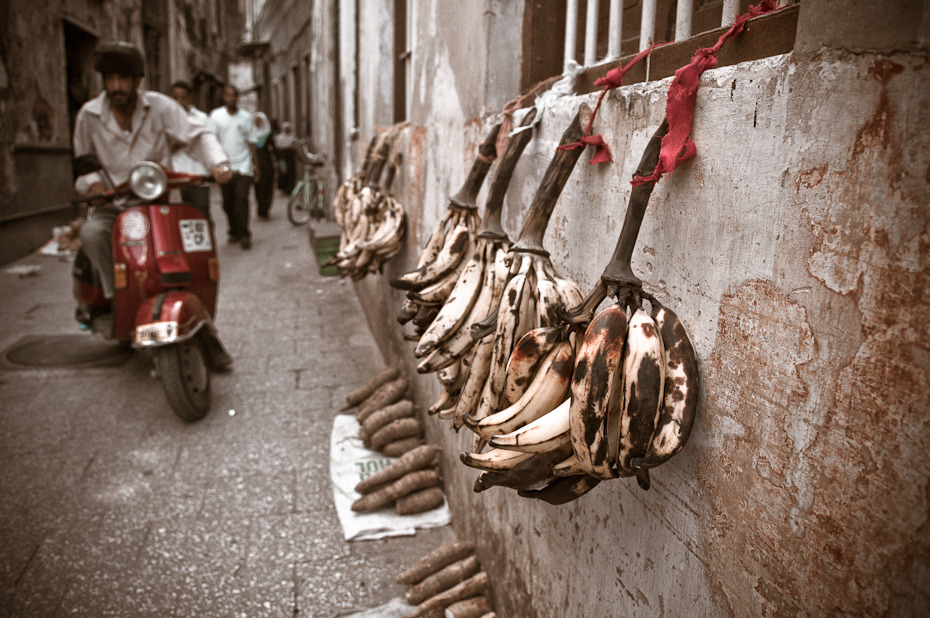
111, 506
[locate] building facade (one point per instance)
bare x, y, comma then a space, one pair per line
46, 74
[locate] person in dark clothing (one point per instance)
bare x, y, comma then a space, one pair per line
265, 150
286, 145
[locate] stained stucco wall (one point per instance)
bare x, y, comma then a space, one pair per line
795, 248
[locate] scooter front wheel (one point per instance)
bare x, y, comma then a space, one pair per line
185, 378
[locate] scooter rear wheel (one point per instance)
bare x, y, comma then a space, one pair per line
185, 378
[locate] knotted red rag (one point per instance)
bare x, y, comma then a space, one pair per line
613, 79
677, 146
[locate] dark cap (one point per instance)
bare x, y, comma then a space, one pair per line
119, 57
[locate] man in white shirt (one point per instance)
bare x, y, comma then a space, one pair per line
197, 196
123, 126
232, 126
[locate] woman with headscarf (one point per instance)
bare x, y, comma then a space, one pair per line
285, 143
264, 148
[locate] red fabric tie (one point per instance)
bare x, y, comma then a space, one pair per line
613, 79
677, 146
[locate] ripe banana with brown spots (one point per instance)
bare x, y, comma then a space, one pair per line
641, 402
596, 380
457, 248
535, 472
680, 399
455, 310
525, 359
494, 460
549, 388
547, 433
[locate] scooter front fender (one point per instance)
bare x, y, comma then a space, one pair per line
169, 317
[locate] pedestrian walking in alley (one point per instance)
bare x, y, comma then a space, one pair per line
232, 126
122, 126
265, 151
197, 196
285, 143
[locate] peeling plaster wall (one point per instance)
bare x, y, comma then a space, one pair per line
794, 247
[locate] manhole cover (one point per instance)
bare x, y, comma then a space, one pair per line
66, 351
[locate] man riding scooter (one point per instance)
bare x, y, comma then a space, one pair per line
123, 126
122, 142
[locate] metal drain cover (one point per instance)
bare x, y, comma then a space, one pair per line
56, 351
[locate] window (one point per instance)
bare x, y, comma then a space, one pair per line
599, 33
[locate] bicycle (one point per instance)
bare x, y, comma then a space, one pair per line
306, 201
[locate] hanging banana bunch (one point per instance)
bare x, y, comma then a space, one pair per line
447, 344
519, 388
373, 222
351, 187
448, 249
634, 386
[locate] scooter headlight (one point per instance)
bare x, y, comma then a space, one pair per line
148, 180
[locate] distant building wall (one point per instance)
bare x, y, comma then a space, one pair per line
46, 73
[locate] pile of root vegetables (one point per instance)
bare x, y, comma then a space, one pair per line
389, 425
447, 582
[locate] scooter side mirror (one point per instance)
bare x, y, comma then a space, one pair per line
86, 164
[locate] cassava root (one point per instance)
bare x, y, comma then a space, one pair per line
430, 563
363, 392
421, 457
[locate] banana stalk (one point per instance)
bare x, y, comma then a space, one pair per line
618, 279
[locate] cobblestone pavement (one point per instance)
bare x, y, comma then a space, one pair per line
111, 506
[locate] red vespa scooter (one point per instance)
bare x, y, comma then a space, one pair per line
166, 277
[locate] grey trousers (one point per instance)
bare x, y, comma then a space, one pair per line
97, 245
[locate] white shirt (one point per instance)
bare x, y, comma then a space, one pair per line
233, 133
159, 126
180, 160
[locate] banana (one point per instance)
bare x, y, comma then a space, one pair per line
597, 376
641, 403
457, 248
460, 342
407, 311
568, 289
450, 374
513, 321
437, 239
464, 368
525, 359
437, 292
389, 229
477, 376
682, 383
563, 490
458, 304
495, 460
446, 399
569, 467
549, 388
535, 472
547, 295
547, 433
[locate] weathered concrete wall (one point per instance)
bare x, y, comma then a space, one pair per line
795, 248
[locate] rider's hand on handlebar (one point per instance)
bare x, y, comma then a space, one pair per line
95, 195
222, 173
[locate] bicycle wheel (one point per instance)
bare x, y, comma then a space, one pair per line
315, 199
298, 207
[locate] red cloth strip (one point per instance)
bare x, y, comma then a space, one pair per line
677, 146
613, 79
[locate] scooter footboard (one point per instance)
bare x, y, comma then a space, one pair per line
169, 317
